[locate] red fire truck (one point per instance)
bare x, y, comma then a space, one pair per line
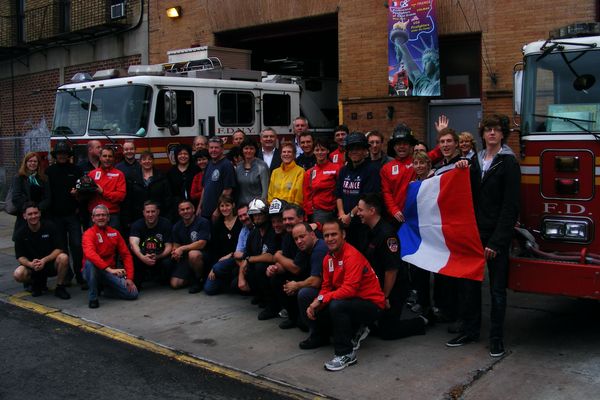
160, 106
557, 94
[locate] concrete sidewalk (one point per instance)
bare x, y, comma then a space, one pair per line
224, 329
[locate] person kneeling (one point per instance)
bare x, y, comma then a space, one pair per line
101, 245
349, 300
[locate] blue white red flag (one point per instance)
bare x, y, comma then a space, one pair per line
440, 233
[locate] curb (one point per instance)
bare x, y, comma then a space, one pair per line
273, 385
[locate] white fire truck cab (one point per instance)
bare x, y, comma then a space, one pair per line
557, 93
160, 106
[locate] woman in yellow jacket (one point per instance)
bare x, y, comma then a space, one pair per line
286, 181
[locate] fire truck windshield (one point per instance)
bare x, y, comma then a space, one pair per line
113, 110
561, 92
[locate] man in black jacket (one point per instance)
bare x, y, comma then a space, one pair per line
64, 207
268, 151
496, 210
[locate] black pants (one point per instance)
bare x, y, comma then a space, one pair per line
69, 227
346, 316
280, 299
470, 298
391, 326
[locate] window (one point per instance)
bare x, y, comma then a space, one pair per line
71, 112
276, 109
120, 110
236, 108
185, 108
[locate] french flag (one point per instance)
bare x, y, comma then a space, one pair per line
440, 233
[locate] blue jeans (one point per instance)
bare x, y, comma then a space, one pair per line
225, 272
113, 286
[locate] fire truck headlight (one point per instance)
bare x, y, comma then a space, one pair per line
576, 230
569, 230
553, 229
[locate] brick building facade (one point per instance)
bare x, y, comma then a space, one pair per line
501, 28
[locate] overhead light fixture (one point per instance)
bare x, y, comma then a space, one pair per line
174, 12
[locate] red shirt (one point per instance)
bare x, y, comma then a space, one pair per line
338, 157
347, 274
112, 182
395, 177
196, 190
101, 246
319, 187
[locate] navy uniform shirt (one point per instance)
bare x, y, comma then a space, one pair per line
199, 229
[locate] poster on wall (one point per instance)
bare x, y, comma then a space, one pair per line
413, 52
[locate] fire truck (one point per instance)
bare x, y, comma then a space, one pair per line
557, 94
160, 106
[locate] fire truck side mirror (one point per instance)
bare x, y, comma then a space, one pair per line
171, 112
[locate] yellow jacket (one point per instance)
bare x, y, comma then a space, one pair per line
286, 184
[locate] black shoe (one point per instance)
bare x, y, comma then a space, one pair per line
312, 342
496, 347
267, 314
461, 340
195, 287
61, 292
94, 304
456, 327
287, 324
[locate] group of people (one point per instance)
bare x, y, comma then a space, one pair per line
308, 233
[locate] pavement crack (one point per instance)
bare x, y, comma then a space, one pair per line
278, 362
456, 392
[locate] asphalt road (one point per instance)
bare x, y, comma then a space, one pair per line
44, 359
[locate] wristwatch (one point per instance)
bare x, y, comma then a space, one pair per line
351, 214
320, 298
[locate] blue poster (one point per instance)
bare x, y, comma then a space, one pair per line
413, 50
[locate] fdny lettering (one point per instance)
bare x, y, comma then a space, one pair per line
112, 175
45, 236
567, 208
111, 234
329, 172
230, 131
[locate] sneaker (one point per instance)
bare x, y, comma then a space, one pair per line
94, 304
496, 347
312, 342
267, 314
360, 335
340, 362
61, 292
287, 324
417, 309
283, 313
461, 340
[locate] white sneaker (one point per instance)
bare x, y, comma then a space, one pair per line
341, 362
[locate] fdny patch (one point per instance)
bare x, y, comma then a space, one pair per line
194, 236
334, 159
99, 236
97, 175
395, 169
215, 175
330, 265
392, 244
265, 248
313, 174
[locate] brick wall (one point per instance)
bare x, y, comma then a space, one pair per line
41, 19
362, 30
33, 99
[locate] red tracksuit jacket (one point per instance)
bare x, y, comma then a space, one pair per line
101, 246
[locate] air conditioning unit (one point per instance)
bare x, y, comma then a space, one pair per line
117, 11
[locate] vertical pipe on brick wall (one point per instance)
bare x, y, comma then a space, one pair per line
12, 94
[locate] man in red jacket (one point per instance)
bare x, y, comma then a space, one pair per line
111, 188
101, 245
350, 297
